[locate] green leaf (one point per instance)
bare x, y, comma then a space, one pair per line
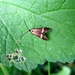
59, 15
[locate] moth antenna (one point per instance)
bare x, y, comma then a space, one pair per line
26, 24
25, 32
21, 36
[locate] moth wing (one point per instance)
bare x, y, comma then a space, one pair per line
46, 29
36, 31
38, 34
44, 37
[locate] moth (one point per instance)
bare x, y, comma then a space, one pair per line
39, 32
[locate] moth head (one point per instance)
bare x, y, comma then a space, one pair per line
31, 30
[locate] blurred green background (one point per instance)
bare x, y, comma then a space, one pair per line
55, 69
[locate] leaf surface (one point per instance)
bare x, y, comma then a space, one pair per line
59, 15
